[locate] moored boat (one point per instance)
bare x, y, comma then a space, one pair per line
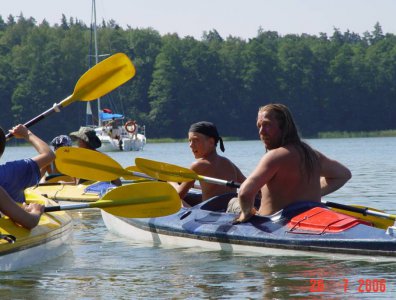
20, 247
115, 135
309, 227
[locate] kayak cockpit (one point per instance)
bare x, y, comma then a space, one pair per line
298, 218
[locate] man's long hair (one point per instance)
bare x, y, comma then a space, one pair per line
290, 135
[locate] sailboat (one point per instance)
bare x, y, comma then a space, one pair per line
114, 132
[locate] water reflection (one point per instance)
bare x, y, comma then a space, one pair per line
100, 265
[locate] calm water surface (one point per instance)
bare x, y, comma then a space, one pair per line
100, 265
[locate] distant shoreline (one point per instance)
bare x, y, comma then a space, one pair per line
356, 134
320, 135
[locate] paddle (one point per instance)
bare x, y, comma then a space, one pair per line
96, 82
91, 165
143, 200
168, 172
379, 218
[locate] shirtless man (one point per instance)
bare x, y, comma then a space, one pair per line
290, 171
203, 138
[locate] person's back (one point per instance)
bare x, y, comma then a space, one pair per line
289, 185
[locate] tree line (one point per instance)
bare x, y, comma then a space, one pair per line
342, 82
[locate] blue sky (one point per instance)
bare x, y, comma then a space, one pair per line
229, 17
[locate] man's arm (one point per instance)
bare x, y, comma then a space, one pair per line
264, 171
46, 155
28, 216
333, 175
182, 189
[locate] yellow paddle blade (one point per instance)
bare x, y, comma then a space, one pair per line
88, 164
141, 200
378, 222
164, 171
102, 78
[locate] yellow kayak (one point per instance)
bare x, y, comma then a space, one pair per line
89, 191
65, 192
20, 247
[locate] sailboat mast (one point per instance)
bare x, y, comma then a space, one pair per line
96, 49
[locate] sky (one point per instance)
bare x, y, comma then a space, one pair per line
241, 18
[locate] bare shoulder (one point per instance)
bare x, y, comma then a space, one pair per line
323, 159
199, 165
279, 153
332, 168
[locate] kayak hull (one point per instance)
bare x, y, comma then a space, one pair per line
20, 248
207, 225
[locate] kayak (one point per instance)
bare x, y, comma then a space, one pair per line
88, 191
304, 228
20, 247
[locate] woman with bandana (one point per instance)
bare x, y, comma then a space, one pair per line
203, 138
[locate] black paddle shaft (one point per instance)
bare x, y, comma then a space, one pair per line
362, 211
55, 108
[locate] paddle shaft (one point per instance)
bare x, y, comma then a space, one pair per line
66, 207
139, 174
55, 108
364, 211
219, 181
103, 204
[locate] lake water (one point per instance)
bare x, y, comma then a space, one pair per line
100, 265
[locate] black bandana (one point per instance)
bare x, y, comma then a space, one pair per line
208, 129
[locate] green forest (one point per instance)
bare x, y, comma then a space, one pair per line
343, 82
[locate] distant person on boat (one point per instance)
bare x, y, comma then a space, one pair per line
16, 176
203, 138
50, 172
114, 129
290, 171
86, 138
